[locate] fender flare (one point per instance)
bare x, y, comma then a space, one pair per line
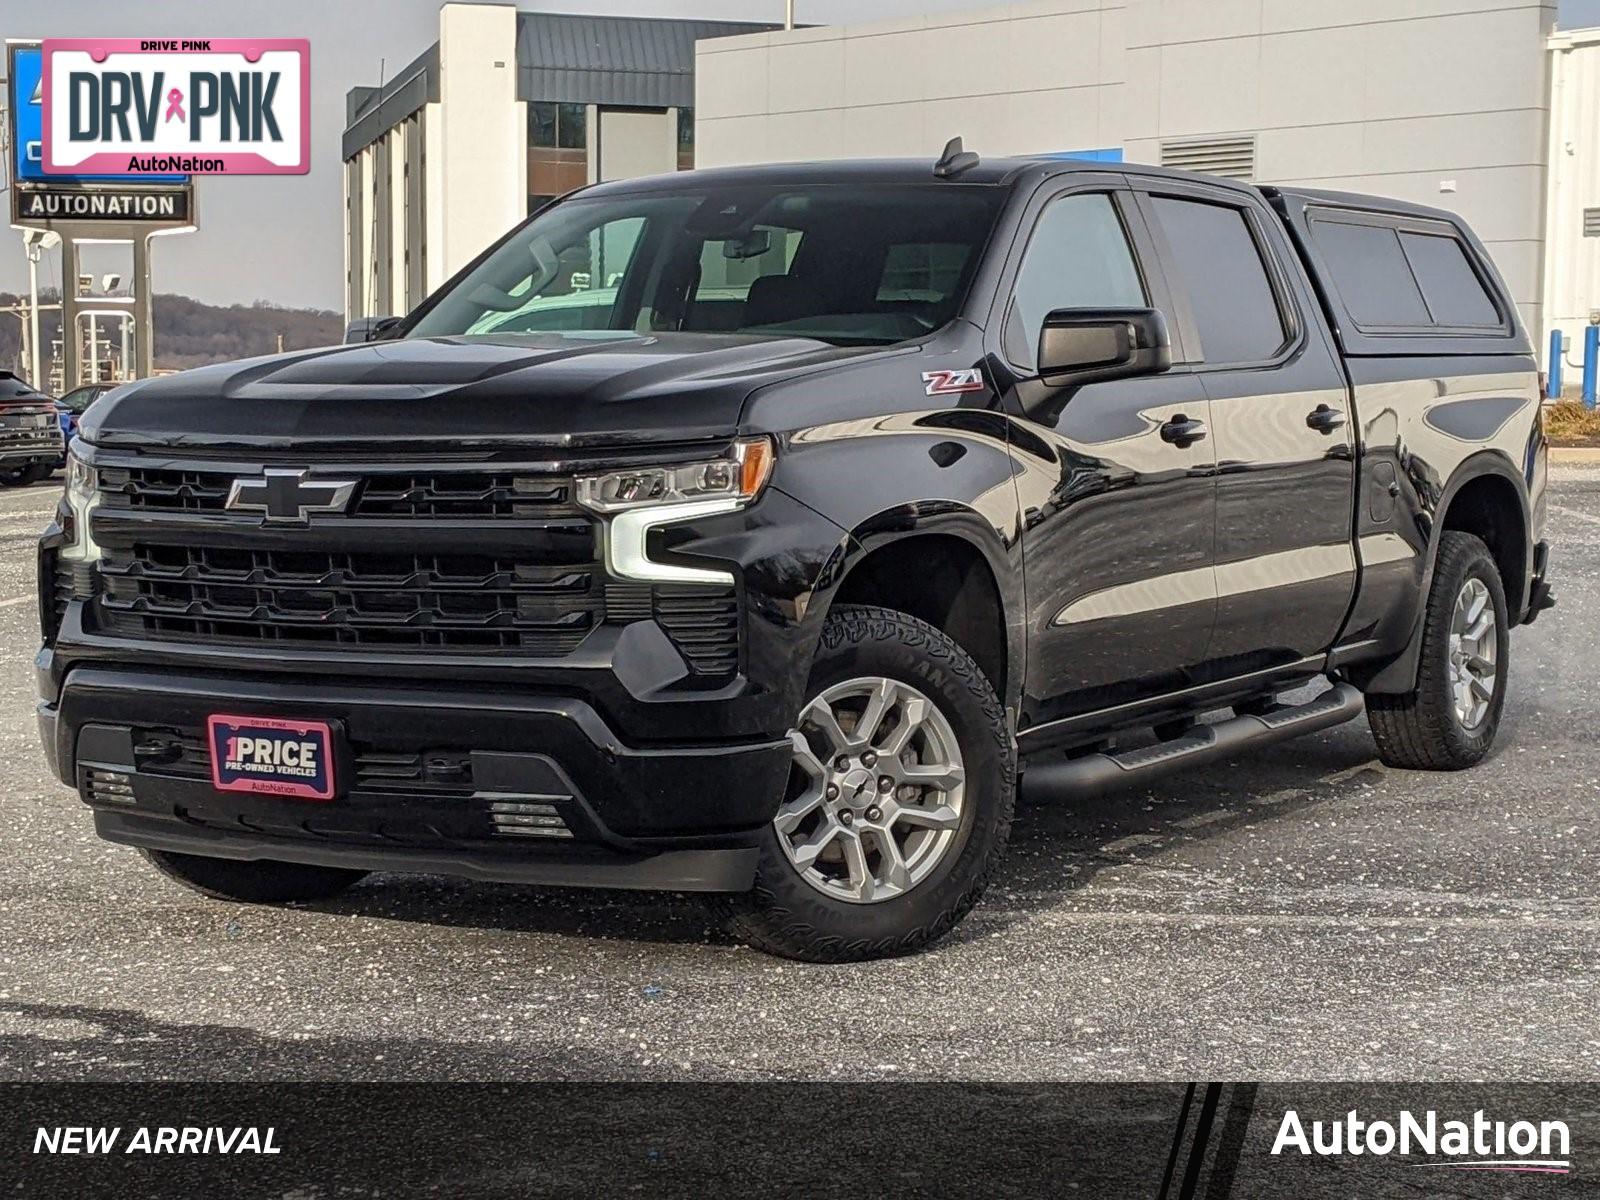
1400, 674
913, 521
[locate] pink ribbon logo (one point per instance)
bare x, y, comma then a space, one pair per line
175, 105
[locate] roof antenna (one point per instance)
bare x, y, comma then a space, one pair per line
954, 160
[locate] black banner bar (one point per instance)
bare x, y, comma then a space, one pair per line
1156, 1142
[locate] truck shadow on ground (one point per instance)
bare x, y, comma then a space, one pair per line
1057, 846
88, 1042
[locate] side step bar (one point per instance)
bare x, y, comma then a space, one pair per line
1199, 744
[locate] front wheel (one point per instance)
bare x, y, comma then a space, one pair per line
900, 800
1448, 721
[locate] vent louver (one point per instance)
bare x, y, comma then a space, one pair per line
1232, 157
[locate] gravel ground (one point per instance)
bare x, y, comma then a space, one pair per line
1298, 914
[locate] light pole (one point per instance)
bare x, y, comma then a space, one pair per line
36, 241
788, 14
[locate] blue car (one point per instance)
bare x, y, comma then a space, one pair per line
71, 406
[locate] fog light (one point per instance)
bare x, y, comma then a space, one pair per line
108, 787
527, 818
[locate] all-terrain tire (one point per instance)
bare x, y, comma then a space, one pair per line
1420, 730
786, 915
254, 881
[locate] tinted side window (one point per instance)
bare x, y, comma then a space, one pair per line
1454, 293
1217, 260
1370, 271
1078, 257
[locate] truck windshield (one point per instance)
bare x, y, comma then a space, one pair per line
850, 265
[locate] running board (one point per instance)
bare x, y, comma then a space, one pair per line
1199, 744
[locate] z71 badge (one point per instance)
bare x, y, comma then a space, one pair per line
950, 383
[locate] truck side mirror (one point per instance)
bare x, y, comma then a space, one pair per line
1086, 345
370, 329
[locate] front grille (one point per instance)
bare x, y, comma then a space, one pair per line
428, 494
512, 565
426, 601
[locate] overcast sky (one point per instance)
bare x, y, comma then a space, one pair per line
279, 238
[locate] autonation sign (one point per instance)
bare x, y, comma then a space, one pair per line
139, 107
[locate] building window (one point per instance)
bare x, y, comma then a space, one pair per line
558, 156
685, 139
557, 126
572, 124
541, 124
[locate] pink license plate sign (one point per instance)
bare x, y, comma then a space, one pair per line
212, 106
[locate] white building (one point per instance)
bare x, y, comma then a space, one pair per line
1572, 212
1443, 102
1480, 106
504, 112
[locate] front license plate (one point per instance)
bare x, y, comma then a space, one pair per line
264, 754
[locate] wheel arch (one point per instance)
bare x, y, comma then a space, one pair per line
950, 570
1488, 497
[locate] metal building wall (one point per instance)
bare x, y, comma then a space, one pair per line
1436, 101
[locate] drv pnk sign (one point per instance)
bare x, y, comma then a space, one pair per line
211, 106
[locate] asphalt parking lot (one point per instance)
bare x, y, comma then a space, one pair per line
1298, 914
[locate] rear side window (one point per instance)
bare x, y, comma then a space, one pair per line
1235, 309
1393, 277
1455, 295
1370, 270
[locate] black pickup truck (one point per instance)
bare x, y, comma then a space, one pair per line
756, 531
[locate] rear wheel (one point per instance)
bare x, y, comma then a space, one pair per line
255, 881
899, 803
1448, 721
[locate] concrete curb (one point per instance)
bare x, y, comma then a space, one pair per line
1574, 455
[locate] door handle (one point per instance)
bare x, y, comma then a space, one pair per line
1180, 431
1324, 419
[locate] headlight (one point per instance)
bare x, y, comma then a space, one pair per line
82, 498
740, 476
640, 499
82, 480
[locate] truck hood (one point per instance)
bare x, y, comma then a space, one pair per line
544, 390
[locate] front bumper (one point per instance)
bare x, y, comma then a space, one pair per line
28, 452
425, 775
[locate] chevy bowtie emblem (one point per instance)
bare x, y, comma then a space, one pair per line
289, 495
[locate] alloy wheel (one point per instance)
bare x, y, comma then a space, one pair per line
1472, 653
876, 795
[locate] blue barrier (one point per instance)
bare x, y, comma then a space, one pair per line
1553, 378
1591, 359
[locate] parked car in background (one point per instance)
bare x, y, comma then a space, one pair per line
31, 445
71, 406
